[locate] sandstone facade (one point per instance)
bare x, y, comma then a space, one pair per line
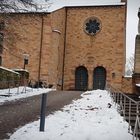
106, 49
127, 86
35, 34
57, 44
137, 54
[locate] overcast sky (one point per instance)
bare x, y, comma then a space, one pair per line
132, 25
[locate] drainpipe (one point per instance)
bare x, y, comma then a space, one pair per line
64, 51
41, 44
126, 5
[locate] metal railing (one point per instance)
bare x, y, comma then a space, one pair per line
7, 86
21, 86
125, 104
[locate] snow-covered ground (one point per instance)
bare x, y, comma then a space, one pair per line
21, 92
93, 117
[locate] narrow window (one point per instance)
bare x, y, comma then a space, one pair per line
1, 38
0, 60
2, 26
1, 49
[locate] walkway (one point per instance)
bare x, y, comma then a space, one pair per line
18, 113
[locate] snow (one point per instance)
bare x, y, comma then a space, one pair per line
21, 92
138, 85
57, 31
53, 5
93, 117
9, 70
128, 76
20, 70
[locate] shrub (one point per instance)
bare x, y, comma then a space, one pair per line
8, 77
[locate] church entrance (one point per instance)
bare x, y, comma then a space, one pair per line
99, 78
81, 78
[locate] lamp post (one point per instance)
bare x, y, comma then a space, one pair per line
26, 58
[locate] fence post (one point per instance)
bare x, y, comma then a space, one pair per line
42, 114
129, 121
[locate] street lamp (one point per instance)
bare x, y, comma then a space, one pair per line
26, 58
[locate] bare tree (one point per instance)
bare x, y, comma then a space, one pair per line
16, 5
130, 65
8, 18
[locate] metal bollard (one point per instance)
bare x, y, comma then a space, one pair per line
42, 114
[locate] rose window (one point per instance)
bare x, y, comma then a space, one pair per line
92, 26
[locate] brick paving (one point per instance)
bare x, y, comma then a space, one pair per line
18, 113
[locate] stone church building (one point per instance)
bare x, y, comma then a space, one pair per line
73, 47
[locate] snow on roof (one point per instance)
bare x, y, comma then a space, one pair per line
57, 31
20, 70
57, 4
8, 70
128, 76
53, 5
138, 85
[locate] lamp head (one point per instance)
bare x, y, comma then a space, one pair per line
139, 13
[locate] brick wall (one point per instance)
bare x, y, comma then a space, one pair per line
56, 48
106, 49
137, 54
23, 34
127, 86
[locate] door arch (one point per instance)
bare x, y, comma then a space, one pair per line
99, 78
81, 78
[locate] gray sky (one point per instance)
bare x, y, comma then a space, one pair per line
132, 26
132, 20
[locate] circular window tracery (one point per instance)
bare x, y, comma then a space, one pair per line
92, 26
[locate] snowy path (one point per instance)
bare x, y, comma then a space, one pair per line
89, 118
17, 113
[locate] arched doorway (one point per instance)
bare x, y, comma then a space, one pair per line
99, 78
81, 78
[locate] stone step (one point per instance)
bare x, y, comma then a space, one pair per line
132, 106
127, 114
131, 113
127, 103
131, 110
134, 98
132, 118
132, 124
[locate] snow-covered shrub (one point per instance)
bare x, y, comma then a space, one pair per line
7, 77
